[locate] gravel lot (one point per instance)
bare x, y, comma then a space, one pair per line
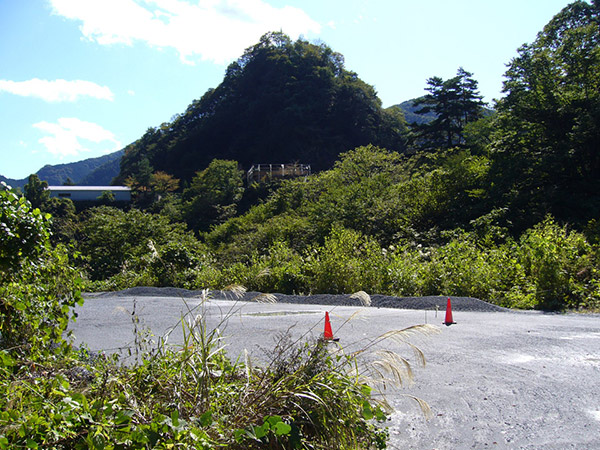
498, 379
377, 301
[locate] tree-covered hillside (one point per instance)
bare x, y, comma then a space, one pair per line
504, 207
78, 172
280, 102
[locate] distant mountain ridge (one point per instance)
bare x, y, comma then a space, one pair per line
409, 110
411, 116
98, 171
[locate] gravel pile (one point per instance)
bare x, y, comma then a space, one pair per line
377, 301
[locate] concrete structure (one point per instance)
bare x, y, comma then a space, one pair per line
90, 193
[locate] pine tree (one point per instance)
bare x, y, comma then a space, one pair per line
456, 102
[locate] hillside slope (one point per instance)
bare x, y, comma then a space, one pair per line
281, 102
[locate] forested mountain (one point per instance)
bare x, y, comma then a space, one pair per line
98, 171
12, 182
280, 102
105, 173
409, 109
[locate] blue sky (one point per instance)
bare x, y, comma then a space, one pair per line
82, 78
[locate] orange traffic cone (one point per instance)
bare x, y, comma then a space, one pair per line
448, 320
328, 333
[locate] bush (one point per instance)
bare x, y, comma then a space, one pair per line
138, 248
38, 287
559, 266
347, 262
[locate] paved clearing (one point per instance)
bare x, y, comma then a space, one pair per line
495, 380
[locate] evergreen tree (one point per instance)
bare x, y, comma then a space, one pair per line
455, 102
214, 195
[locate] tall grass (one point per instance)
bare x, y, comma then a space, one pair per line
306, 393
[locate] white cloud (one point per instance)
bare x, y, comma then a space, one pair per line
56, 90
64, 137
214, 30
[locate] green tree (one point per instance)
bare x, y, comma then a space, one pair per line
213, 195
139, 181
113, 241
64, 217
162, 183
106, 198
546, 156
23, 231
35, 191
456, 102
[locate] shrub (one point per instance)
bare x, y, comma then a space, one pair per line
558, 266
38, 287
347, 262
139, 248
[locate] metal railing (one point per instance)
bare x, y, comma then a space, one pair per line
258, 172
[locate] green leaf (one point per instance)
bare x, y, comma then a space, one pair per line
282, 428
123, 417
175, 418
6, 359
380, 415
261, 431
206, 419
98, 442
366, 390
239, 435
273, 420
367, 411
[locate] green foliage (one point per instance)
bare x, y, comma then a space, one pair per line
191, 396
347, 262
545, 147
213, 195
375, 192
558, 265
35, 191
38, 286
106, 198
114, 242
124, 249
454, 103
24, 233
64, 218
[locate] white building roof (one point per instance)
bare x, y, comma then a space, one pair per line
88, 188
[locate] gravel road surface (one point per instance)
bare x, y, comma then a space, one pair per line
498, 379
